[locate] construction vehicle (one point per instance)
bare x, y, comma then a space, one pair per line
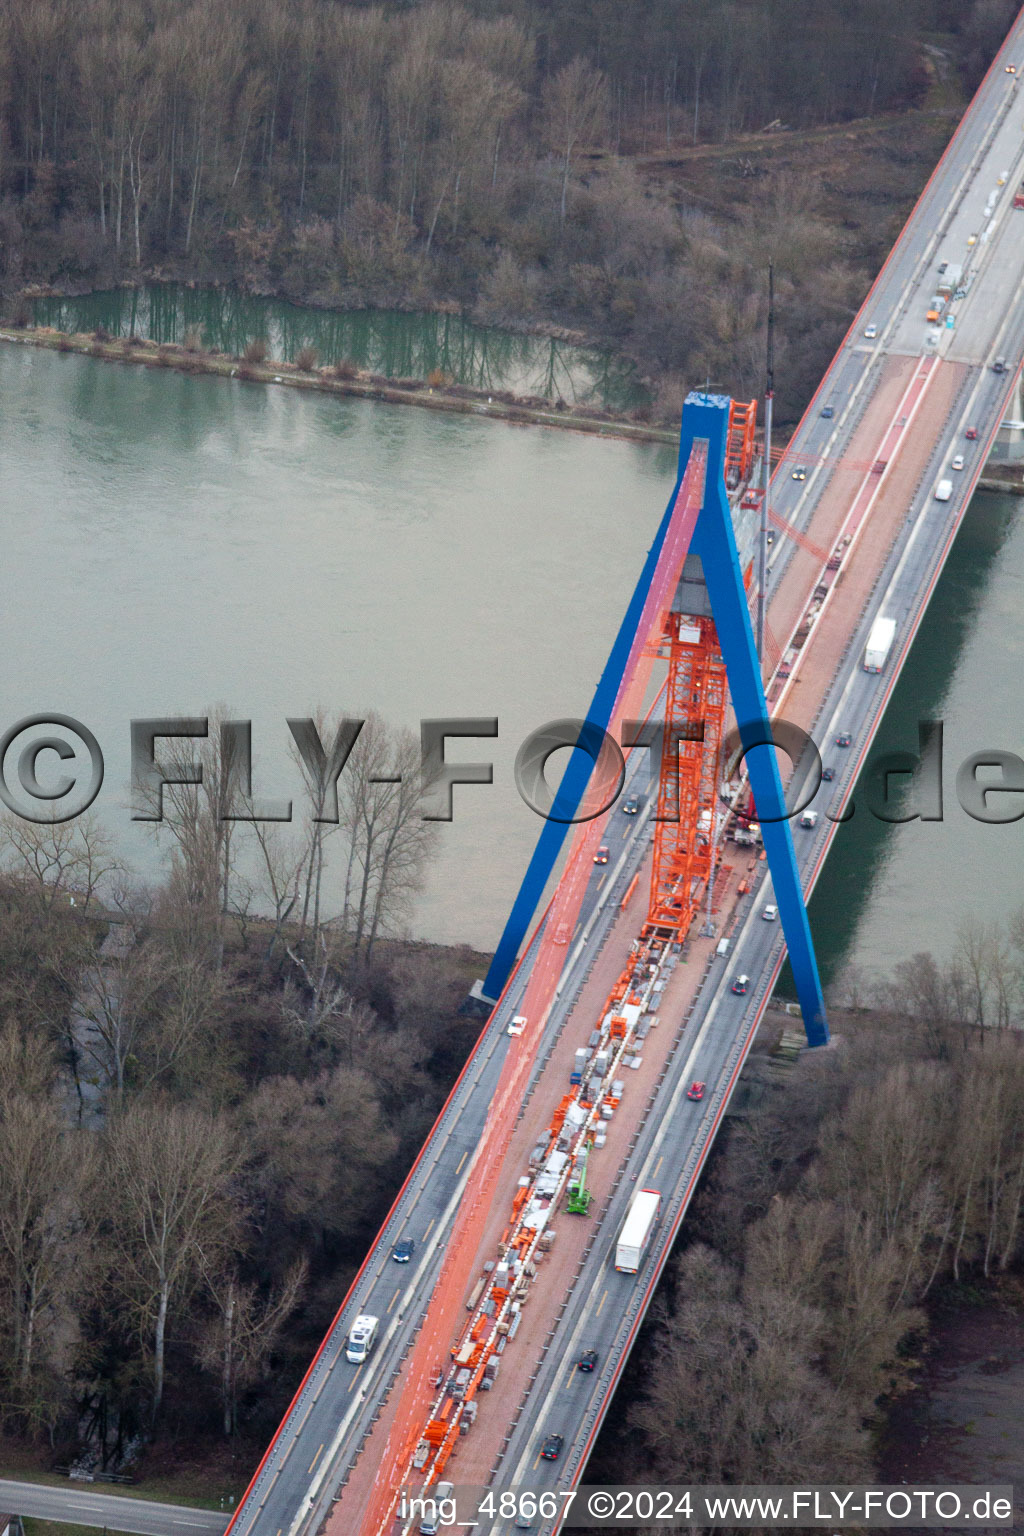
950, 280
578, 1195
640, 1222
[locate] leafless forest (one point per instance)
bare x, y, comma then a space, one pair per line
205, 1112
495, 153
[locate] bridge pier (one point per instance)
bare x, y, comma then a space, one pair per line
1008, 447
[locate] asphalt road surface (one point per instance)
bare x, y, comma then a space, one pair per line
115, 1512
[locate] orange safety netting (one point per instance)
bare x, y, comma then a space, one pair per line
446, 1313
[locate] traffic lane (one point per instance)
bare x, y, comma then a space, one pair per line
389, 1289
329, 1397
354, 1392
606, 1294
115, 1511
665, 1173
1002, 160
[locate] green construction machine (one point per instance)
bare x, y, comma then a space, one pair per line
578, 1195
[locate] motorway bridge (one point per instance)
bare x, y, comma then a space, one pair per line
905, 405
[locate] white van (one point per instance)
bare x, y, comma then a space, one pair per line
362, 1338
722, 948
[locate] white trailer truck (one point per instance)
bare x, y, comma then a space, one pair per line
640, 1222
876, 652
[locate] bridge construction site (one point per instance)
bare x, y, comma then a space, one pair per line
545, 1202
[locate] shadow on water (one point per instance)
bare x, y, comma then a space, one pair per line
389, 342
862, 846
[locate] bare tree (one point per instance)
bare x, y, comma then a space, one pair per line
116, 996
281, 863
239, 1342
60, 861
204, 794
575, 102
170, 1211
46, 1193
388, 839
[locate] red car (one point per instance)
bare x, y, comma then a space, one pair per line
971, 434
601, 856
695, 1091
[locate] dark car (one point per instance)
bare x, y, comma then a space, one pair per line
971, 434
844, 739
632, 805
601, 856
740, 985
828, 774
828, 411
695, 1091
403, 1250
552, 1447
587, 1361
800, 473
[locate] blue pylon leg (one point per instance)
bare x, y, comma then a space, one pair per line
706, 417
576, 777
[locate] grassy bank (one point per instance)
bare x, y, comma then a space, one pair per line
457, 398
211, 1484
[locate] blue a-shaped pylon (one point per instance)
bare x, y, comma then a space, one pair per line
705, 420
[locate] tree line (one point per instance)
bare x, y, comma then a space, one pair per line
210, 1089
354, 153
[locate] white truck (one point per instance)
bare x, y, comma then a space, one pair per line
944, 490
876, 652
362, 1337
640, 1222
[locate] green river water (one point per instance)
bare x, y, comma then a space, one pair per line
177, 542
389, 342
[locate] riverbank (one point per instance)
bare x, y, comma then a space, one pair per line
960, 1421
1007, 479
461, 399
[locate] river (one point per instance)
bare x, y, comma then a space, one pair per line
177, 542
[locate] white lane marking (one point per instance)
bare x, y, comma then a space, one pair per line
377, 1362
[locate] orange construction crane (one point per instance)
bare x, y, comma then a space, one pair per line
684, 829
739, 442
